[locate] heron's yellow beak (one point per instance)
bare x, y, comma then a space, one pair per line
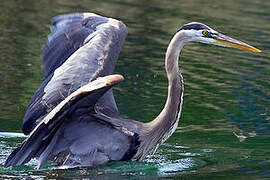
223, 40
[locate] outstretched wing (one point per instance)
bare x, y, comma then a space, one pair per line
44, 141
80, 48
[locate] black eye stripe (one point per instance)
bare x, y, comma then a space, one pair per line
206, 31
195, 26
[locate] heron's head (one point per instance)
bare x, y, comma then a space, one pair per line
201, 33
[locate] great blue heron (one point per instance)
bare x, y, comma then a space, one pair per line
73, 119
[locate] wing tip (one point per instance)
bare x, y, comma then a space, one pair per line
99, 83
12, 159
89, 14
114, 22
114, 79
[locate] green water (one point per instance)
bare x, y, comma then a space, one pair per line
224, 131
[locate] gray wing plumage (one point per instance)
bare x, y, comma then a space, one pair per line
72, 118
80, 48
69, 135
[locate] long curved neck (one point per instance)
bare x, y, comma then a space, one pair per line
166, 122
158, 130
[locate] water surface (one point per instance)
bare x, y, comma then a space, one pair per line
224, 129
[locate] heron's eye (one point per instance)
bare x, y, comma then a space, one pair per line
205, 32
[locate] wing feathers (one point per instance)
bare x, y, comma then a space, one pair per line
39, 141
80, 48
